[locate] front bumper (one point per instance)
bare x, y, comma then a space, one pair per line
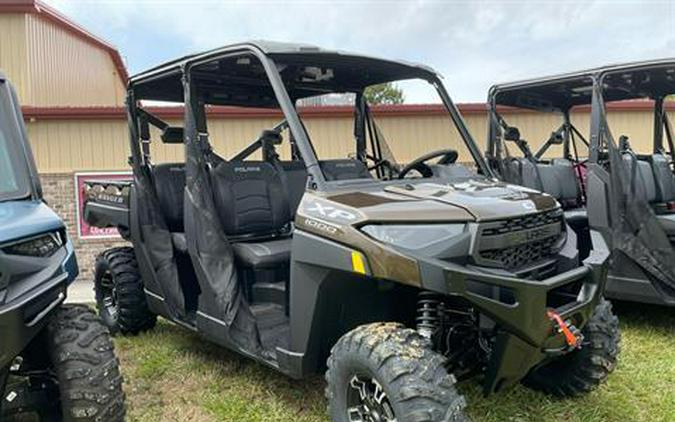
526, 336
21, 320
30, 298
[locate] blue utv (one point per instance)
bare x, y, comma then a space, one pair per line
56, 361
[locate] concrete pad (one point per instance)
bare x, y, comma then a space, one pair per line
81, 291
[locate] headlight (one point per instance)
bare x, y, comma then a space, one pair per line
416, 236
42, 246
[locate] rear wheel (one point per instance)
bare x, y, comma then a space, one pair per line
87, 371
581, 371
386, 372
120, 298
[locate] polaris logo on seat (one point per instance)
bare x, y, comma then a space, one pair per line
246, 169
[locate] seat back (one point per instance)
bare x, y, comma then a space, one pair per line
344, 169
169, 180
296, 182
663, 178
250, 198
527, 173
645, 184
560, 181
556, 179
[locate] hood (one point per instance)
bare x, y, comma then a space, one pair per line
484, 199
479, 200
19, 219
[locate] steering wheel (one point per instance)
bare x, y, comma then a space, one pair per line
448, 156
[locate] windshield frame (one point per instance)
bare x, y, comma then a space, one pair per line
14, 138
363, 111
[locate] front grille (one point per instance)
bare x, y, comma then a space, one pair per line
519, 256
525, 222
522, 241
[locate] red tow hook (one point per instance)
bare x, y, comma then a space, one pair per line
572, 335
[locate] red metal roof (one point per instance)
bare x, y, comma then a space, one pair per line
49, 13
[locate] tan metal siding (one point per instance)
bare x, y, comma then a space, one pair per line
67, 146
13, 53
638, 126
83, 145
67, 71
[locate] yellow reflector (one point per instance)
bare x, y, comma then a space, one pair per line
358, 264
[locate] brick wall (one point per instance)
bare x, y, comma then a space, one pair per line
59, 192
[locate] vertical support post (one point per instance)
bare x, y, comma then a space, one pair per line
136, 159
567, 127
597, 122
360, 127
658, 125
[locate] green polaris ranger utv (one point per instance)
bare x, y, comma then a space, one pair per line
627, 194
396, 280
56, 361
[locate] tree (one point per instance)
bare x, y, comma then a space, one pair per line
386, 93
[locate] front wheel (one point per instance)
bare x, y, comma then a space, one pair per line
386, 372
582, 370
87, 371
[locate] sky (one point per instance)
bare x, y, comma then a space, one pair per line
473, 44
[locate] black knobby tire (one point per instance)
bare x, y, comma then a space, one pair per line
417, 385
583, 370
126, 310
82, 356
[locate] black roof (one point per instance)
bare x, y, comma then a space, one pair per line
638, 80
233, 75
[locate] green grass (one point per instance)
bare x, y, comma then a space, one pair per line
174, 375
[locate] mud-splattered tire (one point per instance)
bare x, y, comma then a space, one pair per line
585, 369
87, 371
399, 364
120, 298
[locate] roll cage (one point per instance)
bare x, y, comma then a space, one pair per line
280, 75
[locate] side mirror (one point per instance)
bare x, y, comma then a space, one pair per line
271, 137
624, 144
172, 135
512, 133
556, 138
